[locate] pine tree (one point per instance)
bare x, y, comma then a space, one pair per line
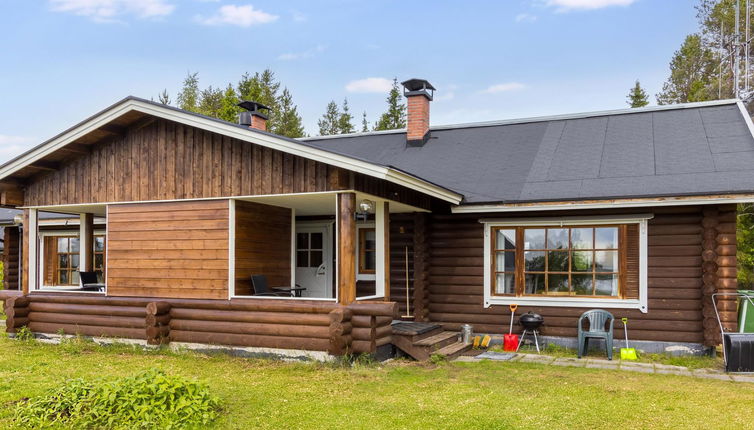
290, 123
164, 97
188, 97
637, 97
329, 123
691, 74
228, 105
395, 117
211, 102
364, 122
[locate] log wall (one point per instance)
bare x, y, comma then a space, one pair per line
263, 245
304, 325
170, 249
11, 254
675, 276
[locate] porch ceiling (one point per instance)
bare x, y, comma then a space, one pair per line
314, 204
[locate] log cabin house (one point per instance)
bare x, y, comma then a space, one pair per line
632, 211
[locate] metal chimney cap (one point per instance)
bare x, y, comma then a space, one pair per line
416, 84
418, 87
252, 106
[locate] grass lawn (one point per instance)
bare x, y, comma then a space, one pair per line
270, 394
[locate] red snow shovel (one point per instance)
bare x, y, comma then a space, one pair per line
510, 340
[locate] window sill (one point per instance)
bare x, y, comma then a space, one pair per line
66, 289
568, 302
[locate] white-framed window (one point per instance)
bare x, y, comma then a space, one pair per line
569, 261
59, 254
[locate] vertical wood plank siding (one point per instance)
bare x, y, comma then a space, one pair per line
166, 161
263, 245
674, 277
171, 249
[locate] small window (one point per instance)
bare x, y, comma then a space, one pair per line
63, 254
367, 251
309, 249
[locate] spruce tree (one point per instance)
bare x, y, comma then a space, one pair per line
261, 88
364, 122
290, 123
329, 123
164, 97
395, 117
637, 97
188, 97
345, 124
211, 102
229, 105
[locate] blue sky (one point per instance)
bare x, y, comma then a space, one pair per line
63, 60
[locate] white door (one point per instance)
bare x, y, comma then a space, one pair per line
314, 259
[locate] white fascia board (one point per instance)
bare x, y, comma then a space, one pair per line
746, 116
269, 141
611, 204
582, 220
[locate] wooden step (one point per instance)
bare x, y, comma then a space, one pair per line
439, 340
453, 350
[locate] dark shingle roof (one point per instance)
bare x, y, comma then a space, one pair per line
688, 150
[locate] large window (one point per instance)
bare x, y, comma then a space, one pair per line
584, 263
559, 261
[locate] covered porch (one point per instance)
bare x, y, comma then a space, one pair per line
182, 272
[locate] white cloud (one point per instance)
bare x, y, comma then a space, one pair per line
566, 5
504, 87
525, 17
11, 146
242, 16
109, 10
370, 85
290, 56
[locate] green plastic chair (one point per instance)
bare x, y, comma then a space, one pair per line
598, 320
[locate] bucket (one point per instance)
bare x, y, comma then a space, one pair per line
467, 333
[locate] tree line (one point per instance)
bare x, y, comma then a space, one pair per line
284, 119
703, 69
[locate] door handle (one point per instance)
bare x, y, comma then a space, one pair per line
321, 269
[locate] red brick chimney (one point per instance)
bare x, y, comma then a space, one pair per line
252, 117
418, 93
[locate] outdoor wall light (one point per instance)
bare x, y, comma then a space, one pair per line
18, 219
365, 207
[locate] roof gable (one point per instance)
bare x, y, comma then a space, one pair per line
131, 110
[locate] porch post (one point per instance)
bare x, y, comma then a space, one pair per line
86, 242
29, 259
382, 236
346, 248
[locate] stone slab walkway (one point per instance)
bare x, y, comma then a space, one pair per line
629, 366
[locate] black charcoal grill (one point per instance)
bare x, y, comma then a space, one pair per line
531, 323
